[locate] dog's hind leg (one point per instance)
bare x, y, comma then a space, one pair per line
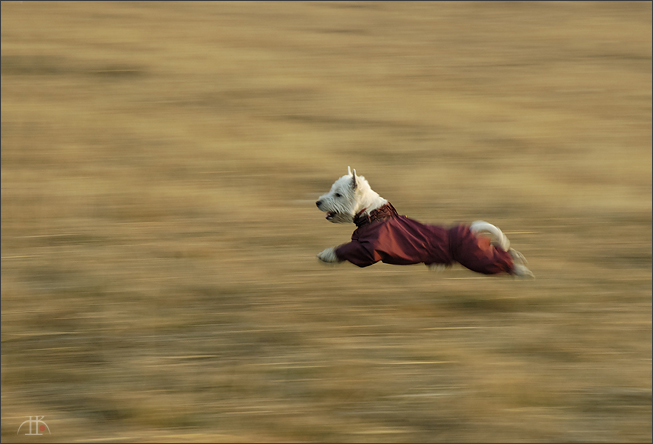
438, 268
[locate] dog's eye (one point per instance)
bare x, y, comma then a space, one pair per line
338, 195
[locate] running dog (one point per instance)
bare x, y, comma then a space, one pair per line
383, 235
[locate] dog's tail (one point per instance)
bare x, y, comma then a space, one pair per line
519, 268
499, 238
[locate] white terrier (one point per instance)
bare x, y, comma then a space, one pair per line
383, 235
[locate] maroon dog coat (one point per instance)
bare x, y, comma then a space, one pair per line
384, 235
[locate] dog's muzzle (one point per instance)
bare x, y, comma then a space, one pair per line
330, 214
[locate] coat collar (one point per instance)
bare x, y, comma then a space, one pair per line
384, 212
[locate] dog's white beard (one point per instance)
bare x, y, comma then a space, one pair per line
340, 218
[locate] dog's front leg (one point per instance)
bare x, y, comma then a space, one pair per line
329, 256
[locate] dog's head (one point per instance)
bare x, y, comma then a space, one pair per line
342, 203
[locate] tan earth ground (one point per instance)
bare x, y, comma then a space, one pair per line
160, 163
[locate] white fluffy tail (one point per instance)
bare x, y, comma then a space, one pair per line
519, 269
499, 238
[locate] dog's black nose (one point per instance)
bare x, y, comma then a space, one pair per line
318, 203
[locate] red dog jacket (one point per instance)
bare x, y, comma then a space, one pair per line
384, 235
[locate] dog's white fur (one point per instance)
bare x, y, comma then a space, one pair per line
348, 196
352, 194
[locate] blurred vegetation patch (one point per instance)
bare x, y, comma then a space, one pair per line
34, 65
117, 71
57, 65
489, 304
610, 399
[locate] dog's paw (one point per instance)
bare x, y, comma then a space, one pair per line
328, 256
520, 271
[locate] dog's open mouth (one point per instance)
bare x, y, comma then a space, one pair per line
330, 215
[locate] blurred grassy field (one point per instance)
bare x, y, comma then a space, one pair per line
160, 163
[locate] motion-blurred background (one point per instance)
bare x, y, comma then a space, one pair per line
160, 164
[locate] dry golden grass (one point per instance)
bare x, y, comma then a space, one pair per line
159, 167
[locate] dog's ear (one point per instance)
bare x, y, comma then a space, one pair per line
354, 184
349, 171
